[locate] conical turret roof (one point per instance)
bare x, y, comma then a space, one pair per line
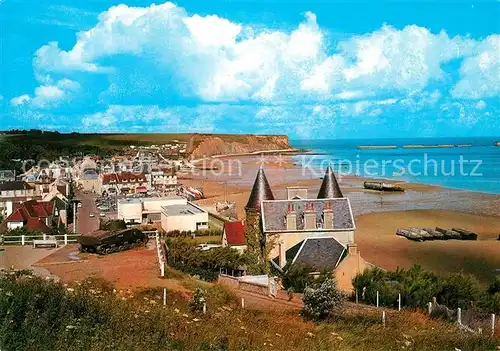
329, 188
261, 191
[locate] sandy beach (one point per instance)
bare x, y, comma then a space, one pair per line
378, 215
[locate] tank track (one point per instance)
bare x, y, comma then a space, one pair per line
107, 249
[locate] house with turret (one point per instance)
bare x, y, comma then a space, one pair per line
317, 232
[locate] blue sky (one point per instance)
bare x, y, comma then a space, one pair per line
324, 69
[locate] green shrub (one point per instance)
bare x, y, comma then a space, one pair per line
198, 300
40, 314
459, 290
321, 302
418, 287
297, 278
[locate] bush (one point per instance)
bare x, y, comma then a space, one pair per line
297, 278
459, 290
418, 287
319, 303
185, 256
198, 300
40, 314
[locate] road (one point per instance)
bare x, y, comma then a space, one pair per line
85, 223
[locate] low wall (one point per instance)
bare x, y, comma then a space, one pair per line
235, 283
254, 288
229, 281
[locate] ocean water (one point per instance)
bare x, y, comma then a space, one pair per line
475, 168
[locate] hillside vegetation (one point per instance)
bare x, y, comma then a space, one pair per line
37, 144
37, 314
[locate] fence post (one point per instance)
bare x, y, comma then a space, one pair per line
459, 316
164, 296
22, 240
356, 295
65, 239
430, 308
399, 302
383, 318
243, 303
204, 307
162, 269
377, 298
44, 236
492, 324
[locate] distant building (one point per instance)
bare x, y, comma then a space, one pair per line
124, 183
89, 181
12, 193
185, 217
7, 175
233, 235
163, 179
146, 210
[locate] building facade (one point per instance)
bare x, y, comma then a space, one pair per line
319, 233
145, 210
185, 217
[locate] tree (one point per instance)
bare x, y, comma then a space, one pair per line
319, 303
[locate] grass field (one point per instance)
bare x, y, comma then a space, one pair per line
93, 316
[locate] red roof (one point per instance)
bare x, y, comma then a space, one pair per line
235, 233
31, 209
125, 177
37, 224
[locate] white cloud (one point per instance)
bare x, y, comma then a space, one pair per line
480, 74
481, 105
19, 100
215, 59
47, 95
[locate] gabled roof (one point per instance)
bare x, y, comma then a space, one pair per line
260, 191
37, 224
319, 253
235, 233
274, 214
330, 187
123, 177
31, 209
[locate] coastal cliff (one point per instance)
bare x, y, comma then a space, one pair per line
205, 145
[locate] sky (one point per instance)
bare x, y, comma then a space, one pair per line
308, 69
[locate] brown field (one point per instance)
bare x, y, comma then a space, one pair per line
378, 243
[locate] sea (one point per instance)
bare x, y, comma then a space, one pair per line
462, 163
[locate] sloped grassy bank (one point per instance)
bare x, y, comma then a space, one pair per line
37, 314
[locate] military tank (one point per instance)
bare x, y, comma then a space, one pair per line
104, 242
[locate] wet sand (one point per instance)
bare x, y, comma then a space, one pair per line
378, 215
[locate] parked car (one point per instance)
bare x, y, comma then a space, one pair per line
102, 215
79, 204
91, 215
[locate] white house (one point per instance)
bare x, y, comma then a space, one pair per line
146, 210
185, 217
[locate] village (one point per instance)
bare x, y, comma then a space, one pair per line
56, 204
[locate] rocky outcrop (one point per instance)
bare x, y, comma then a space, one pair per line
205, 145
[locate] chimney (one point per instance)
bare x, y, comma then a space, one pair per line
309, 217
328, 216
352, 249
291, 218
